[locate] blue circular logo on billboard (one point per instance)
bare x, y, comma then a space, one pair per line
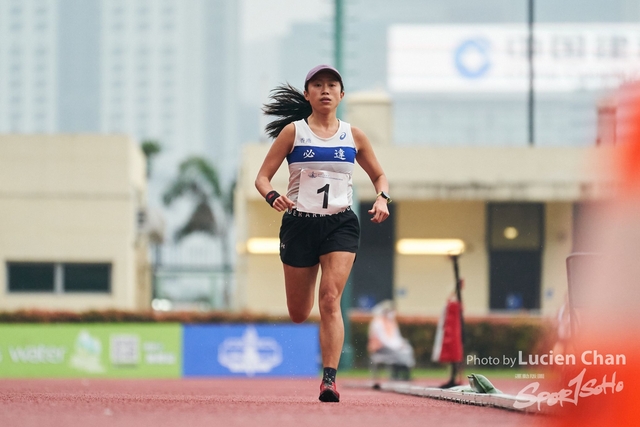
472, 58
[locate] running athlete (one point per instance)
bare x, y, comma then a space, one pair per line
319, 230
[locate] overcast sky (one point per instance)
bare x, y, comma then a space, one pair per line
262, 19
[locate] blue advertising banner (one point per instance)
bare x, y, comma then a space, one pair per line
251, 350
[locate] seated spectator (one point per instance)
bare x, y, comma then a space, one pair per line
386, 346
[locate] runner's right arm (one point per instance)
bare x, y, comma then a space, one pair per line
279, 150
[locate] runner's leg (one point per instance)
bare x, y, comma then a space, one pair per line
300, 285
336, 267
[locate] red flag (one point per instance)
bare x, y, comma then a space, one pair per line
447, 347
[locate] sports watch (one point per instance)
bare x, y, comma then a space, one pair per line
384, 196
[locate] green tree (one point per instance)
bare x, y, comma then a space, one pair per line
198, 181
150, 148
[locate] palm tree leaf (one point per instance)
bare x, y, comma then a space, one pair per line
199, 167
201, 220
150, 147
177, 189
198, 179
228, 199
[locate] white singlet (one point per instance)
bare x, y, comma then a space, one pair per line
320, 170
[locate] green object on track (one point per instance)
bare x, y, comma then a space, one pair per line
480, 384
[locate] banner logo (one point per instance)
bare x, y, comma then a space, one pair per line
88, 351
250, 354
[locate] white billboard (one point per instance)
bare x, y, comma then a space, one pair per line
493, 58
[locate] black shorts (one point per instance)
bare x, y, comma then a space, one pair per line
304, 237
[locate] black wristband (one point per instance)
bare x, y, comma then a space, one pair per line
271, 197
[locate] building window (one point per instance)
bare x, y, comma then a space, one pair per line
87, 278
59, 277
30, 277
41, 26
14, 121
515, 241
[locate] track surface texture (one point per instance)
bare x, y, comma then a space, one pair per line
228, 403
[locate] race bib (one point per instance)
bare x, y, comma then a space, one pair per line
323, 192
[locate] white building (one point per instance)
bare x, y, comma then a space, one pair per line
70, 223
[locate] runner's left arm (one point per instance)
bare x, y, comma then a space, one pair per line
367, 160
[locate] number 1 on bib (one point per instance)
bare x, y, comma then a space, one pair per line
325, 199
334, 187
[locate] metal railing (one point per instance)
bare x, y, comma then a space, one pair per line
190, 279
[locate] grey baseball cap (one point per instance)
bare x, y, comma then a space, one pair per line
315, 70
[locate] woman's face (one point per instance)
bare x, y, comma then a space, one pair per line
324, 91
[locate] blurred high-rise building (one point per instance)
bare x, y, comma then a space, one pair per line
163, 70
28, 67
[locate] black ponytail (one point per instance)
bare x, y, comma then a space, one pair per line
289, 104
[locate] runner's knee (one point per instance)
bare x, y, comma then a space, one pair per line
329, 302
297, 315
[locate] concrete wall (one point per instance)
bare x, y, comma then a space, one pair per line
263, 275
558, 245
74, 198
424, 282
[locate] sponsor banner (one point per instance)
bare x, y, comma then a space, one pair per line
494, 57
90, 350
251, 350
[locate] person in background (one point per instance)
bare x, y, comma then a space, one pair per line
319, 231
386, 345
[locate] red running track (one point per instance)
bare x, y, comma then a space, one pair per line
229, 403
